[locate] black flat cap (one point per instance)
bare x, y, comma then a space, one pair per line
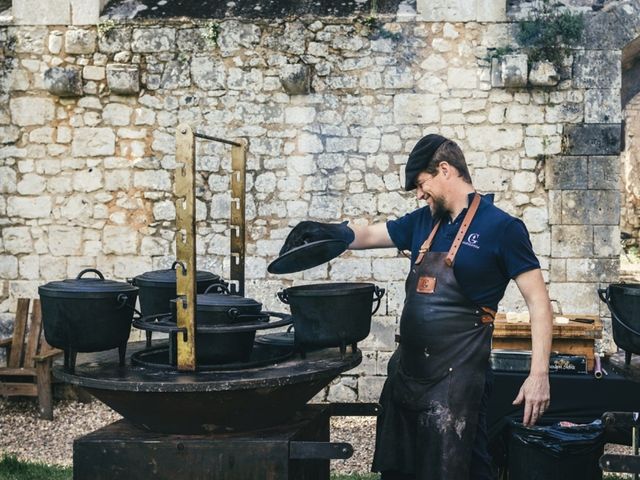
420, 157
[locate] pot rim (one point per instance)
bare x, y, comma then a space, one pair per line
329, 289
167, 277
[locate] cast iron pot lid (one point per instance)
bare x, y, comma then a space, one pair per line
85, 287
220, 301
167, 277
307, 256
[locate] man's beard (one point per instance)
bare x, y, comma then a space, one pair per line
438, 210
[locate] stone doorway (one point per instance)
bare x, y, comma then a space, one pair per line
630, 164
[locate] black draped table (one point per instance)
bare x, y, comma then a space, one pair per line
574, 398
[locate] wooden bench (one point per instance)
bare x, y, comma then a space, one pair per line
29, 359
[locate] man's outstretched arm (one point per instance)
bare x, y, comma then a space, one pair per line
371, 236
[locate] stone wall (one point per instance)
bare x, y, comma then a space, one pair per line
86, 171
630, 214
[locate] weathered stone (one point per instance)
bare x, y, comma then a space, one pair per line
119, 240
115, 40
8, 267
9, 134
176, 75
597, 69
524, 182
164, 210
566, 173
235, 35
575, 297
493, 138
152, 180
572, 241
86, 12
592, 269
589, 207
117, 114
369, 388
88, 180
31, 184
80, 41
462, 78
325, 207
153, 40
123, 79
36, 12
92, 72
543, 74
65, 240
592, 139
606, 241
341, 393
382, 336
415, 108
191, 39
63, 82
29, 207
604, 173
309, 143
17, 240
93, 142
602, 105
509, 71
295, 79
207, 73
29, 267
27, 111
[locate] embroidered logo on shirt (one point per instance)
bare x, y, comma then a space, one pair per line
472, 240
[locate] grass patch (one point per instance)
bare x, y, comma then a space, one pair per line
13, 469
356, 476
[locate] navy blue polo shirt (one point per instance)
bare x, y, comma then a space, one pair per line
496, 248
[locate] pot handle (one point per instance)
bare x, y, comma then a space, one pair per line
378, 293
283, 296
182, 265
220, 288
122, 302
233, 313
603, 293
87, 270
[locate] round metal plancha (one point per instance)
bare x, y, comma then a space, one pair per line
158, 287
87, 314
331, 314
201, 402
216, 344
623, 300
307, 256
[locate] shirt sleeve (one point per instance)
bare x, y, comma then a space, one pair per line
401, 231
517, 252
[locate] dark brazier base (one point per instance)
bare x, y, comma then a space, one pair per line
122, 451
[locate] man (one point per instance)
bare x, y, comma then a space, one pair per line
464, 252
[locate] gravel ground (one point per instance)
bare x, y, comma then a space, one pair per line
24, 434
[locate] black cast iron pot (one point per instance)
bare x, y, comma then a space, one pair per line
218, 309
158, 288
331, 314
623, 300
87, 314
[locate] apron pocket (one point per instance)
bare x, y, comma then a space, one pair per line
417, 393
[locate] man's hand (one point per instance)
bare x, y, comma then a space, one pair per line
535, 394
308, 231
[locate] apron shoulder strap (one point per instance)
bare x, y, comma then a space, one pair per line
427, 243
468, 218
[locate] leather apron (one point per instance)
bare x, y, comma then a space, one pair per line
436, 379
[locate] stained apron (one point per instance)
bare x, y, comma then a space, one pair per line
436, 379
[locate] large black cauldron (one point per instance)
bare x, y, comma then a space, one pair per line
623, 300
87, 314
218, 309
158, 288
331, 314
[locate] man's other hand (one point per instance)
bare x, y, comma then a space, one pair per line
536, 397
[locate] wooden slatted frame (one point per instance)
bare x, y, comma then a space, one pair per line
30, 359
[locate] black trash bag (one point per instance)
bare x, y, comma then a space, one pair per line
556, 452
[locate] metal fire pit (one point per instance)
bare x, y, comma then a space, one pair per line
168, 401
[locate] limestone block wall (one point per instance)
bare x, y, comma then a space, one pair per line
86, 179
631, 171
